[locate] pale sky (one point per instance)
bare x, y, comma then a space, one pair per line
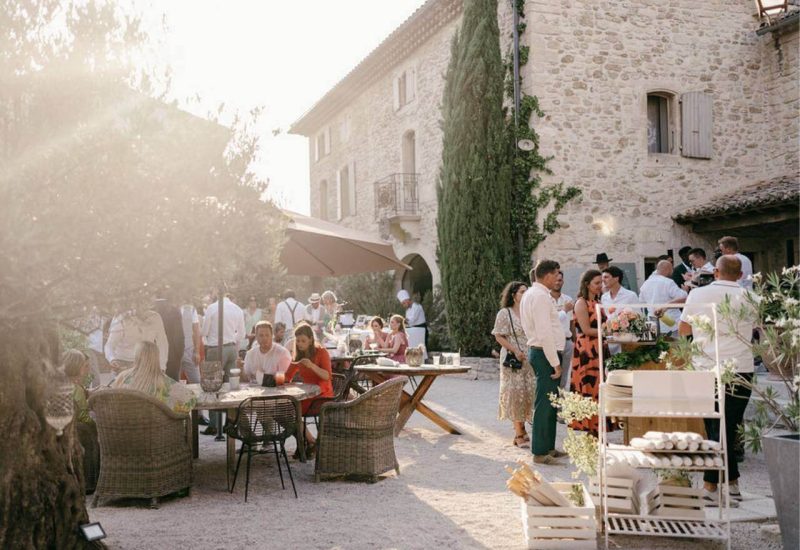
281, 54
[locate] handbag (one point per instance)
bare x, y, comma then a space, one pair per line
511, 360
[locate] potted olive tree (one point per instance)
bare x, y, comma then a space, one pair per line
774, 306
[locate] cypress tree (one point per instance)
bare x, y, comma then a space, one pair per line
475, 251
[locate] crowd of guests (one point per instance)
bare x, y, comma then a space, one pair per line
555, 342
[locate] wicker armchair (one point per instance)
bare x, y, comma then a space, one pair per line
356, 438
145, 447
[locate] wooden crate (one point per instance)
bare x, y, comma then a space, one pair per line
676, 502
555, 527
622, 495
637, 427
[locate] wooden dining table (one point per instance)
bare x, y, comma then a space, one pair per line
410, 402
229, 400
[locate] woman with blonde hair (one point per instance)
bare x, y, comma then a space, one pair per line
396, 342
146, 376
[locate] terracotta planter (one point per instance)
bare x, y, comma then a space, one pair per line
783, 463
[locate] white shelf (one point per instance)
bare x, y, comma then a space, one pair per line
654, 414
655, 526
616, 447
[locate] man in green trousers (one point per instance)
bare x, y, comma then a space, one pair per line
545, 341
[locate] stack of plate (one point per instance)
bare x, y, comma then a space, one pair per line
619, 391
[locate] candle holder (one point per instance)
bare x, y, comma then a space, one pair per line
211, 378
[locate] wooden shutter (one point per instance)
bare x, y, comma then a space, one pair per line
696, 125
352, 187
316, 148
338, 195
396, 93
327, 138
411, 85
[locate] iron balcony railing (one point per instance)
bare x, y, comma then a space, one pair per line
396, 195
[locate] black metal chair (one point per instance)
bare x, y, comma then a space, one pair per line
263, 424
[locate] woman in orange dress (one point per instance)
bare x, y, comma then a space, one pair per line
586, 355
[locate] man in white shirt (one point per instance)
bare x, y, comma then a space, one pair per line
190, 362
289, 312
660, 289
545, 342
698, 258
730, 245
313, 308
732, 347
266, 357
415, 315
130, 328
614, 294
564, 306
233, 331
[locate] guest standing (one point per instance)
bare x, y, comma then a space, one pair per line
289, 312
130, 328
660, 289
586, 356
232, 333
730, 245
396, 342
252, 315
564, 306
732, 343
173, 327
545, 341
517, 380
684, 268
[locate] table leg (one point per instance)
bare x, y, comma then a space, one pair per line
231, 451
195, 437
411, 402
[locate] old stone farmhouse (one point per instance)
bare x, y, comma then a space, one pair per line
678, 119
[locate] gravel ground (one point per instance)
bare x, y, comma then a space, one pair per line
450, 494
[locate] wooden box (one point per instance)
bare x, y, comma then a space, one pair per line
676, 502
622, 495
554, 527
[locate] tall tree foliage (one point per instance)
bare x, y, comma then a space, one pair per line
475, 252
105, 196
529, 197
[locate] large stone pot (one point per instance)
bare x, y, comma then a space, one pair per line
783, 463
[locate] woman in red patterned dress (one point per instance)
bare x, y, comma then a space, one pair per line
586, 355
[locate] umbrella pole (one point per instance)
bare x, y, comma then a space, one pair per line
220, 315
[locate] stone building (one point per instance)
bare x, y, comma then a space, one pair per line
677, 119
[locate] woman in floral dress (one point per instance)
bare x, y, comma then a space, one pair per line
586, 355
516, 384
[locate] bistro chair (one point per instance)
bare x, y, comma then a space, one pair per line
263, 424
145, 447
356, 438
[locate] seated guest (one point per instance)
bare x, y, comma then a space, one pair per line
266, 356
313, 364
396, 342
330, 308
146, 376
377, 338
76, 368
660, 289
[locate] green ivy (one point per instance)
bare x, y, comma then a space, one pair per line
529, 196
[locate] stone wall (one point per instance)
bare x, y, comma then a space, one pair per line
376, 132
483, 368
592, 65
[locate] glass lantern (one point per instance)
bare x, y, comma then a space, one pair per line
60, 407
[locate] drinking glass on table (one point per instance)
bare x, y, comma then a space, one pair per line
259, 378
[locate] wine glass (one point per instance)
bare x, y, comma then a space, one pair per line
373, 346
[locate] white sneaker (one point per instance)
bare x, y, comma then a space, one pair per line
733, 490
711, 499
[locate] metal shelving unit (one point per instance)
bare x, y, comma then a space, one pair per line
656, 525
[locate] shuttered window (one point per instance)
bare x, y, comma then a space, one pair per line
323, 199
658, 127
696, 125
347, 191
322, 145
404, 88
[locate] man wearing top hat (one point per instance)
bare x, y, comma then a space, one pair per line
603, 261
415, 315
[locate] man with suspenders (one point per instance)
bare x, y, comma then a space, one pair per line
289, 312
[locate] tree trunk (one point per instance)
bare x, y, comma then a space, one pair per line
42, 503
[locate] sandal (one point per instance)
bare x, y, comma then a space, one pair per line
521, 441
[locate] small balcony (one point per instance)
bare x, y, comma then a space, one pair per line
397, 206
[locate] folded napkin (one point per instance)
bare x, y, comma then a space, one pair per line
386, 362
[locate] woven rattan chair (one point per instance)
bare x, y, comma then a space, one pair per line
145, 447
356, 438
263, 424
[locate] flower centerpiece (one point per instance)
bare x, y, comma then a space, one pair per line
627, 325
